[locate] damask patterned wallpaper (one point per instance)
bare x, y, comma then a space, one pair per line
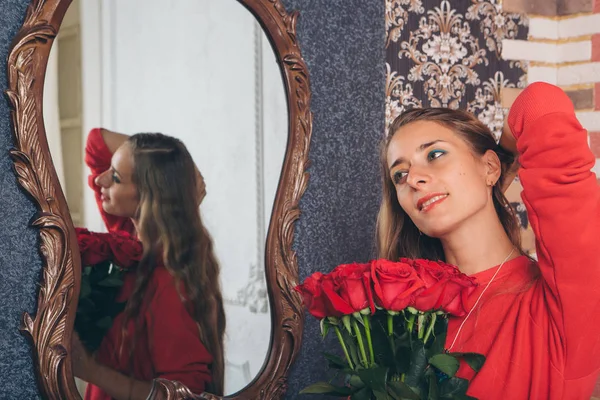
442, 54
448, 54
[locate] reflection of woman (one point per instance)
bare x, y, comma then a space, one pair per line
442, 199
173, 323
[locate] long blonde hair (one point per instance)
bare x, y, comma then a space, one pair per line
170, 227
397, 235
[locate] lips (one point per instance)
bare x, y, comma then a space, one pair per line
425, 203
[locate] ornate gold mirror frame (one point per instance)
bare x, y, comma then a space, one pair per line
51, 327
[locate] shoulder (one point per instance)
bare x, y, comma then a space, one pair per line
166, 286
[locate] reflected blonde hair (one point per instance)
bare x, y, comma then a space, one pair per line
397, 235
170, 228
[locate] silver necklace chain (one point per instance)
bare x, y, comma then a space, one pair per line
479, 298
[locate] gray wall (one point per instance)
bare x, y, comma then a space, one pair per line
343, 43
19, 258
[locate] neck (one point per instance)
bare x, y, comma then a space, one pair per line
478, 244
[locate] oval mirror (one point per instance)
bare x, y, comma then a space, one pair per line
208, 73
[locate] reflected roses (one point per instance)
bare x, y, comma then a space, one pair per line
118, 247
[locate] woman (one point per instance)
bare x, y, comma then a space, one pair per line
173, 323
442, 199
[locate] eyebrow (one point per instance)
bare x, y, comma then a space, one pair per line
115, 171
421, 148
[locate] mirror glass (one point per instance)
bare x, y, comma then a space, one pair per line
204, 72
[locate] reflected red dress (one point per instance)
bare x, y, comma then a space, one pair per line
168, 343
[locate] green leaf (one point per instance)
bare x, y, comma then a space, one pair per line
346, 321
362, 394
445, 363
85, 289
382, 349
326, 388
438, 344
324, 328
400, 391
86, 305
358, 317
335, 361
356, 382
375, 378
86, 270
104, 323
454, 388
434, 393
381, 395
474, 360
111, 281
352, 346
418, 364
402, 360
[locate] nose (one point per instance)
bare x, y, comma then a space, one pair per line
417, 177
103, 180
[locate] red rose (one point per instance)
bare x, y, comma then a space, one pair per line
338, 306
395, 284
92, 248
446, 288
353, 284
119, 247
126, 250
313, 298
434, 276
459, 287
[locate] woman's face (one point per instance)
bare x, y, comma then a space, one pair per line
440, 182
120, 196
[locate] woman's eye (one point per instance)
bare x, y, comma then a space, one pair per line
115, 178
433, 154
399, 177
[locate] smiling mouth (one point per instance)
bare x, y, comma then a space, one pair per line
430, 202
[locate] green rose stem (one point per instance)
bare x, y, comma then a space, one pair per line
390, 328
421, 325
411, 322
367, 323
341, 339
431, 326
361, 345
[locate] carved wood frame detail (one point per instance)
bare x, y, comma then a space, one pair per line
50, 329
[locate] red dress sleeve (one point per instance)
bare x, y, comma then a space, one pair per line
97, 158
562, 198
176, 350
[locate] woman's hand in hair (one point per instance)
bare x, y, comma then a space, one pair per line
507, 139
113, 140
509, 143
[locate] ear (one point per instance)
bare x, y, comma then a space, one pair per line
492, 167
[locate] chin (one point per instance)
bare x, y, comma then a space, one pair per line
438, 229
110, 210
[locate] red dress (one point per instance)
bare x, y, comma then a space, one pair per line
168, 343
538, 323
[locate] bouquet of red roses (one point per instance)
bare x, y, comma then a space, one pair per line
104, 259
391, 322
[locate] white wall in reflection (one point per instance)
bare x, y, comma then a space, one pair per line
205, 72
